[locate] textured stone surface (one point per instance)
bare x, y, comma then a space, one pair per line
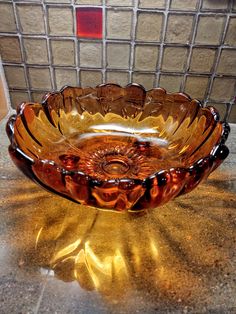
90, 78
210, 30
196, 86
215, 5
40, 78
31, 18
188, 245
90, 55
60, 21
223, 89
118, 56
174, 59
65, 77
179, 28
18, 97
171, 83
123, 3
230, 38
119, 24
227, 63
146, 58
202, 60
152, 4
121, 78
147, 80
7, 19
234, 5
37, 96
90, 2
184, 5
10, 49
15, 76
63, 52
147, 22
36, 51
58, 1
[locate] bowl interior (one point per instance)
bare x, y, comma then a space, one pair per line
117, 133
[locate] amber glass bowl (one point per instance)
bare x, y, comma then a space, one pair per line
117, 148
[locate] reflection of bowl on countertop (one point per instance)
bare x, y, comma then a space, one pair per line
117, 148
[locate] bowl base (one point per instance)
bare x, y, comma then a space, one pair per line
113, 156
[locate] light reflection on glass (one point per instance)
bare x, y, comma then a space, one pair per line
173, 252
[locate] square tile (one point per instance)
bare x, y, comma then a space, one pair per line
223, 89
90, 2
209, 31
117, 3
174, 59
196, 86
230, 38
37, 96
146, 57
63, 52
90, 55
36, 50
215, 5
232, 117
15, 76
171, 83
146, 80
40, 78
90, 78
17, 97
149, 26
118, 56
179, 28
7, 19
121, 78
185, 5
89, 22
65, 77
152, 4
227, 63
202, 60
31, 18
60, 21
10, 49
119, 24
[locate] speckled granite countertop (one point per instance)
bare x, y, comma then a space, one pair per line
59, 257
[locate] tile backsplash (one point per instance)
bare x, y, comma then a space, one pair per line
181, 45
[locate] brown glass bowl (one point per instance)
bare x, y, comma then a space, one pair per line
117, 148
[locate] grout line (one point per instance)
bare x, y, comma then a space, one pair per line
132, 41
76, 44
17, 19
115, 40
46, 25
217, 60
161, 49
67, 67
194, 32
104, 46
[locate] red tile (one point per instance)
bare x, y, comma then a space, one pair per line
89, 22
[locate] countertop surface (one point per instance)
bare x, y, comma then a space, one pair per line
59, 257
